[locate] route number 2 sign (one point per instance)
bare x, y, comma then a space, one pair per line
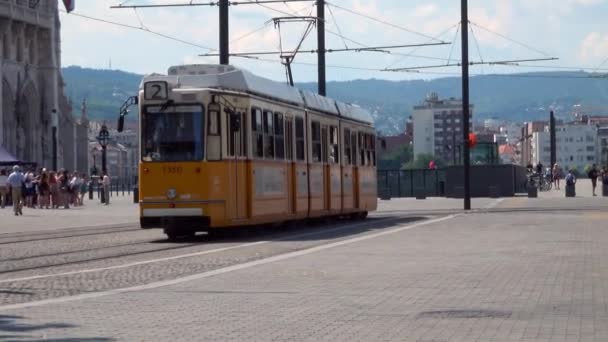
156, 90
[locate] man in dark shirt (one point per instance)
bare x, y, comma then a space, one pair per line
593, 174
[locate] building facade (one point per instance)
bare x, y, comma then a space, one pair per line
527, 133
438, 128
32, 87
576, 144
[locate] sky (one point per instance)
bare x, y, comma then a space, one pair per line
502, 30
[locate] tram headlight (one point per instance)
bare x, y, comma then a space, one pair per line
171, 194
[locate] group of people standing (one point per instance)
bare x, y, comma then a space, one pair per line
45, 189
556, 174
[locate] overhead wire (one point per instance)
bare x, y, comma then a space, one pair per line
333, 18
137, 28
383, 22
477, 46
510, 39
411, 54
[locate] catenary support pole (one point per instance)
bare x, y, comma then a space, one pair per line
224, 32
321, 46
553, 140
465, 104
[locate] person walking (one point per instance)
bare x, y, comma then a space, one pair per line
3, 188
557, 175
84, 188
106, 183
593, 174
16, 182
29, 189
64, 191
44, 191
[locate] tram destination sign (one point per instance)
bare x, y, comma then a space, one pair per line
156, 90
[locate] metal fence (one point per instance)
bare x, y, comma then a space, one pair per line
411, 183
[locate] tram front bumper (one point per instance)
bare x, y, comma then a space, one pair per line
190, 222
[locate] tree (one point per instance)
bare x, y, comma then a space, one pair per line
395, 160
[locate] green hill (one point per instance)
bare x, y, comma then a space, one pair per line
518, 97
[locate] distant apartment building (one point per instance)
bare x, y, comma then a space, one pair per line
437, 126
525, 145
576, 144
602, 136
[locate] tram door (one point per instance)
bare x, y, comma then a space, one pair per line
326, 170
237, 166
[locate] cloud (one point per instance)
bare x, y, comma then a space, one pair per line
594, 47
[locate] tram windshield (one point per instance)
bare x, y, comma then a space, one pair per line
172, 133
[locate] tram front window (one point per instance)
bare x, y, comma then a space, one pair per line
173, 133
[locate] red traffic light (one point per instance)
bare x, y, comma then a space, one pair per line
472, 140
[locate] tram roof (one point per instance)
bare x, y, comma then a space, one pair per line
231, 78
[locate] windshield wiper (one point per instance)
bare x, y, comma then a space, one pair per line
166, 105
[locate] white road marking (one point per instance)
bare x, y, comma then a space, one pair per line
182, 256
494, 204
222, 270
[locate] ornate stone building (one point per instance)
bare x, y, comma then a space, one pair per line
32, 86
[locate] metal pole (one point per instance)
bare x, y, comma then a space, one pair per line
321, 46
224, 32
103, 159
465, 103
553, 140
54, 148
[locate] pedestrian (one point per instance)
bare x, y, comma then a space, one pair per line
43, 190
3, 188
557, 175
53, 190
593, 174
539, 169
29, 190
106, 183
16, 181
64, 188
84, 188
75, 189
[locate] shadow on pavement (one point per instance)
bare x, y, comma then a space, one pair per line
299, 231
11, 329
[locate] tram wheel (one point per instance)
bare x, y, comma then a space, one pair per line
363, 215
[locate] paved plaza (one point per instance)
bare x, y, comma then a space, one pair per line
514, 269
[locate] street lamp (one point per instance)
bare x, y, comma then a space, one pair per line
55, 124
103, 138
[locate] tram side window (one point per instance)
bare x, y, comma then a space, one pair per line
300, 141
316, 141
347, 147
362, 153
372, 138
353, 145
289, 138
268, 135
334, 148
279, 136
368, 149
257, 133
213, 135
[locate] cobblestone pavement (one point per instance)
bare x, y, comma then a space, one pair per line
517, 270
121, 211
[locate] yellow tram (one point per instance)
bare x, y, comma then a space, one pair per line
221, 147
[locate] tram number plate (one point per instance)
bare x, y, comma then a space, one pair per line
173, 170
156, 90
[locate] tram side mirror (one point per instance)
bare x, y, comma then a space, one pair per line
121, 123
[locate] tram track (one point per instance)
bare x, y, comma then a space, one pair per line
16, 238
264, 236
